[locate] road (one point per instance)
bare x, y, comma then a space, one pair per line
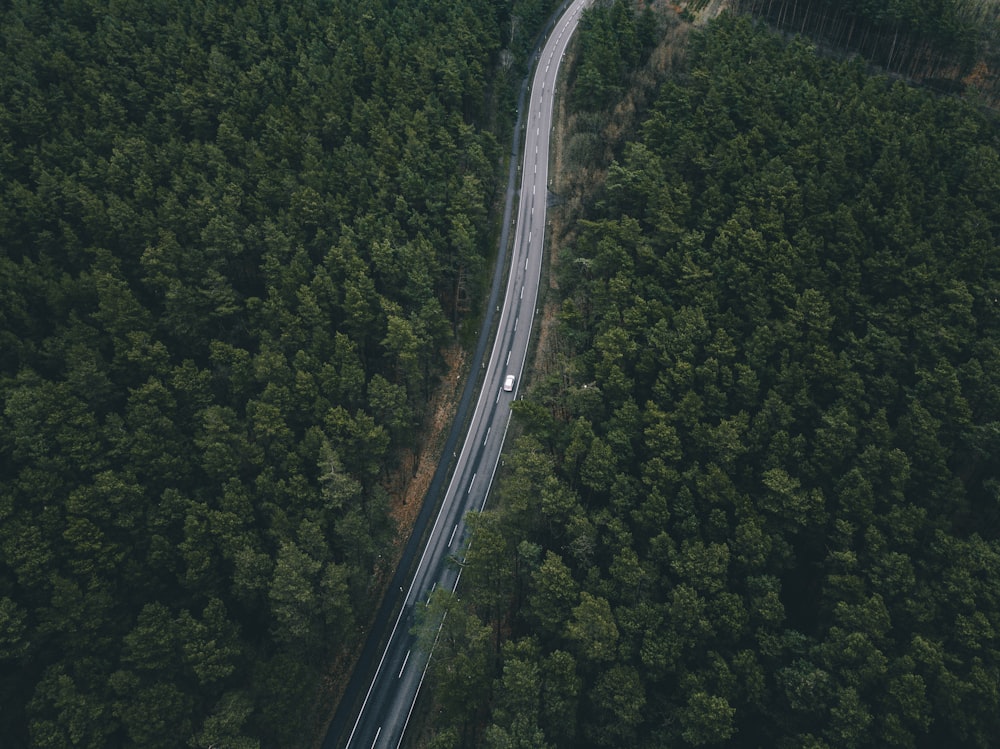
389, 700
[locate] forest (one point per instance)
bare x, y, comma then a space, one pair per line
234, 238
947, 43
754, 499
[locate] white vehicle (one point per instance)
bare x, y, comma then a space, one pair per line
508, 384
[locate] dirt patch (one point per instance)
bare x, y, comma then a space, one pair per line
408, 484
708, 10
560, 219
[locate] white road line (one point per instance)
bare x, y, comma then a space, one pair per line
471, 483
489, 429
505, 364
522, 292
557, 47
526, 268
516, 319
453, 530
403, 668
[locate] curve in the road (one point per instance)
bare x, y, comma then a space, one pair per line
391, 694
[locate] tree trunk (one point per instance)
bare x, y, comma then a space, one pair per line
892, 48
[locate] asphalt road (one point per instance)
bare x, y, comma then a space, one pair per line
389, 700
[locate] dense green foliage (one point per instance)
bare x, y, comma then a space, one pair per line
233, 239
757, 501
617, 40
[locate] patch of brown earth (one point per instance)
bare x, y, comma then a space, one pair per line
409, 484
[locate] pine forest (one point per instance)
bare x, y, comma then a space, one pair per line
751, 493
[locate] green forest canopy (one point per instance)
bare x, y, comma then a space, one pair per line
757, 502
233, 239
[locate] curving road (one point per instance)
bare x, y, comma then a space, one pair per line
389, 700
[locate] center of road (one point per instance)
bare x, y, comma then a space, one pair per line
392, 692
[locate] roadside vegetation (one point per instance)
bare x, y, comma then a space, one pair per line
755, 498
